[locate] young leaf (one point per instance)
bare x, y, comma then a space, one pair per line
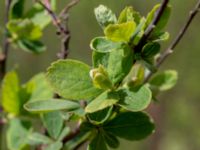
97, 143
36, 87
165, 80
17, 135
130, 126
50, 105
129, 14
119, 64
101, 116
53, 122
54, 146
135, 99
24, 29
38, 139
120, 32
135, 76
10, 93
104, 45
151, 15
99, 58
160, 36
150, 50
16, 9
106, 99
64, 133
110, 139
71, 80
162, 22
100, 78
80, 138
37, 14
139, 31
35, 47
104, 16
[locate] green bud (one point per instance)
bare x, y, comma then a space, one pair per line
104, 16
100, 78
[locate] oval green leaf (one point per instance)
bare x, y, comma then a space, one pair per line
104, 100
120, 32
71, 80
131, 126
135, 99
50, 105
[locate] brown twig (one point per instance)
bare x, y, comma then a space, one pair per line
63, 31
67, 8
6, 43
152, 26
175, 42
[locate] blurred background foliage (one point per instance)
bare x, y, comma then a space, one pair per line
177, 112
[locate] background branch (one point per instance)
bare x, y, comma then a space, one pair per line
175, 42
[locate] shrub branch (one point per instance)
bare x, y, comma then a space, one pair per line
152, 26
175, 42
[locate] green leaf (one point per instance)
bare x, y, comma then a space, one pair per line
120, 32
97, 143
106, 99
111, 140
104, 45
101, 116
53, 122
50, 105
151, 15
80, 138
35, 47
10, 93
54, 146
100, 78
64, 133
104, 16
160, 36
117, 62
139, 31
36, 87
135, 76
17, 135
16, 9
38, 139
71, 80
150, 50
162, 22
165, 80
100, 59
129, 14
24, 29
130, 126
135, 99
39, 16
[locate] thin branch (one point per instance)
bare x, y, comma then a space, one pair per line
182, 32
67, 8
54, 17
62, 27
152, 26
6, 43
